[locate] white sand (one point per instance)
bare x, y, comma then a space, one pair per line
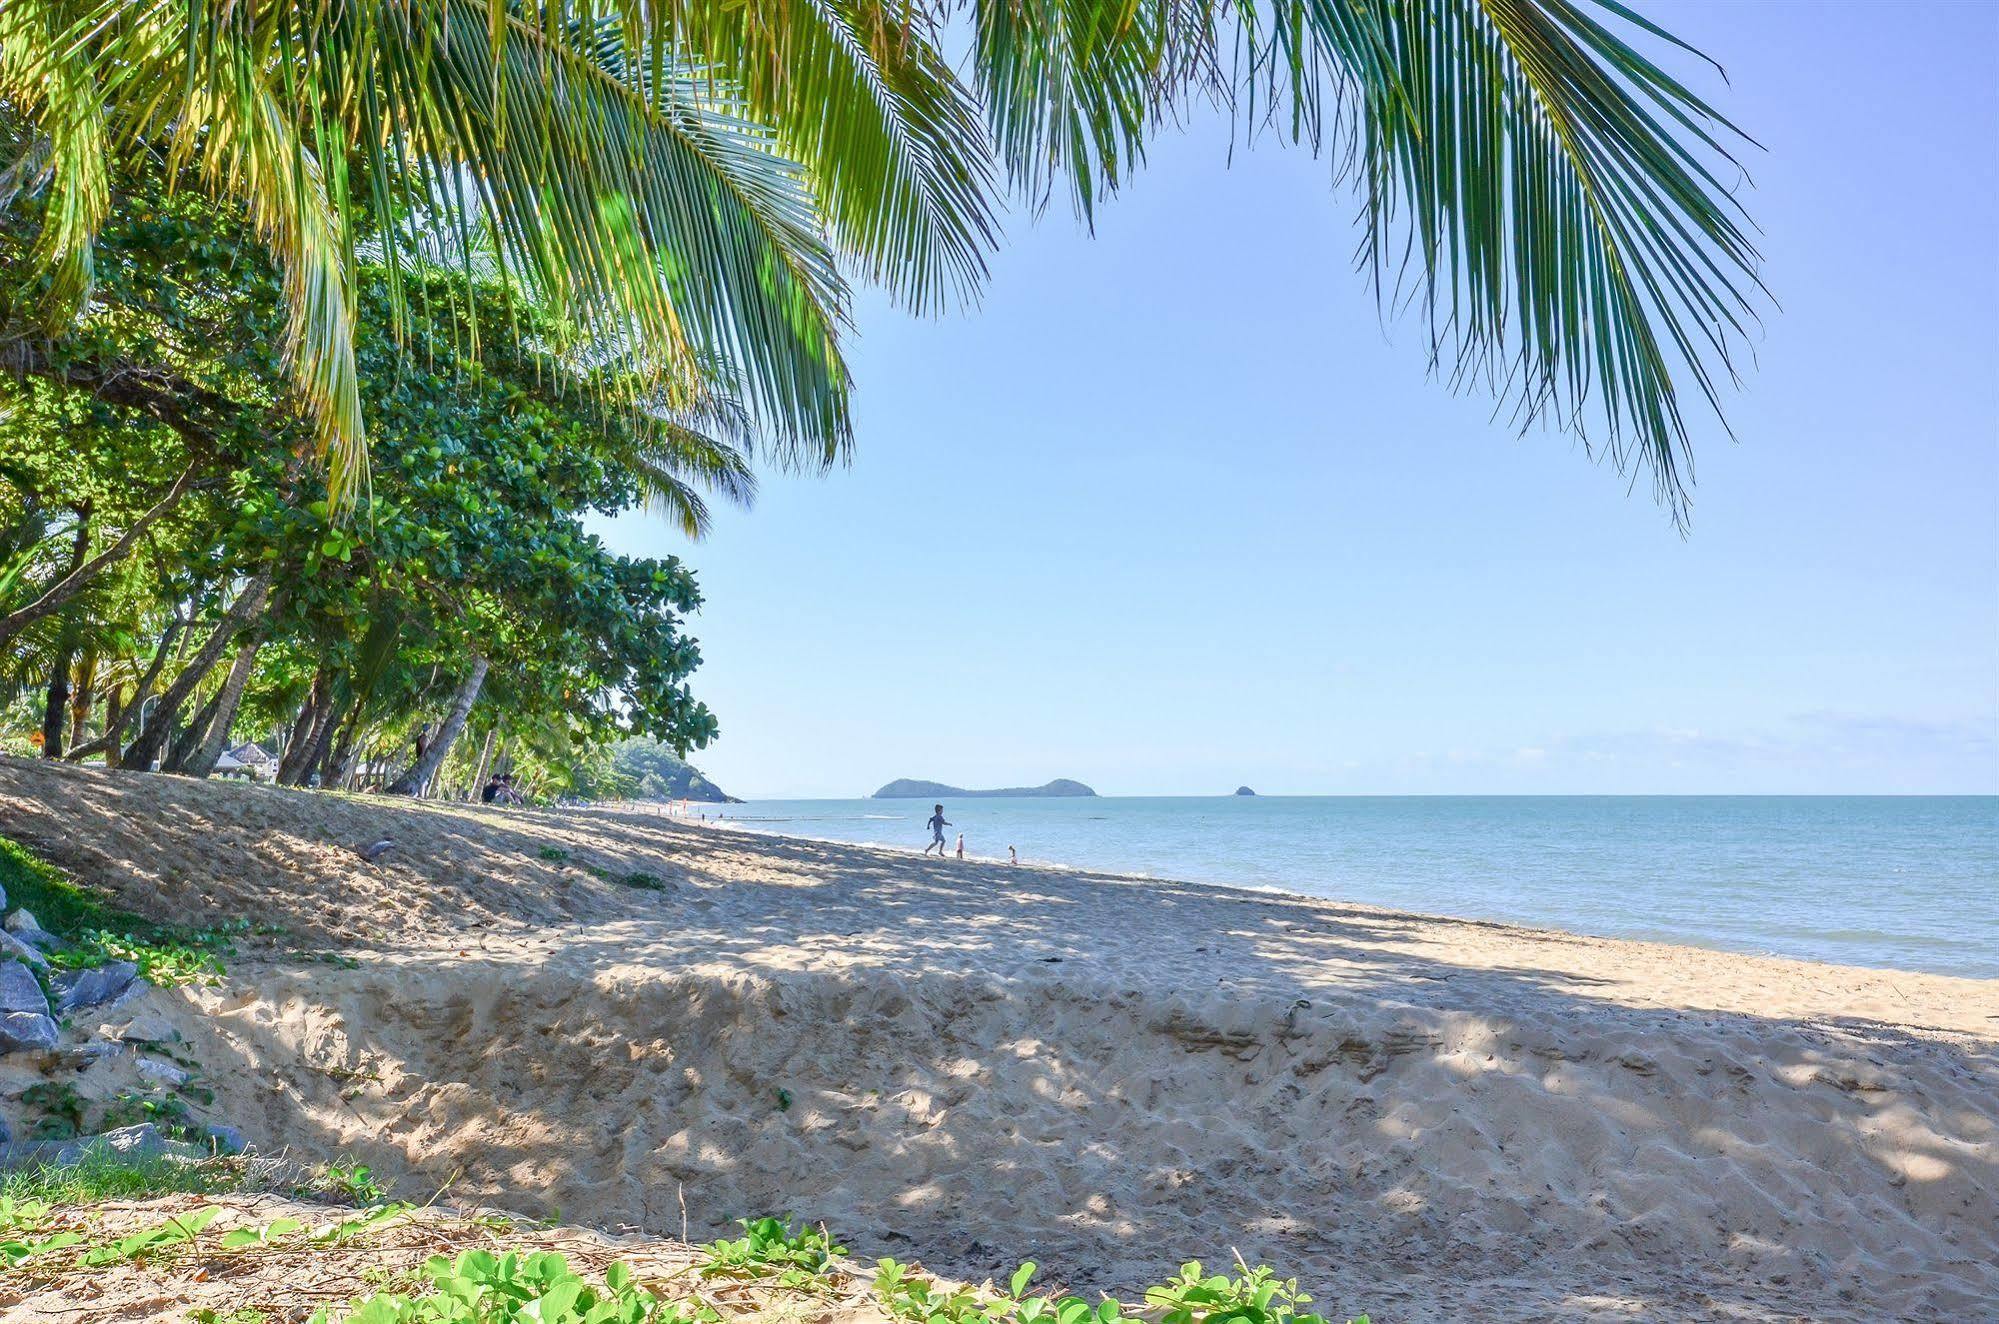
1422, 1118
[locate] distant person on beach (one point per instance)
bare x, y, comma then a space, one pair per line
1012, 855
937, 826
961, 845
494, 789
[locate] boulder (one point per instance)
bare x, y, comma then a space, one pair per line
21, 922
26, 1031
226, 1140
142, 1141
3, 899
87, 1055
376, 851
142, 1030
20, 951
20, 992
77, 989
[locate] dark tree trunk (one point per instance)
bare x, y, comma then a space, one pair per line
182, 746
118, 716
55, 710
55, 715
426, 767
153, 733
216, 737
301, 758
301, 728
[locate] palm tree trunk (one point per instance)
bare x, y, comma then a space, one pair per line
202, 762
85, 696
303, 753
153, 733
118, 716
182, 746
440, 745
485, 763
55, 708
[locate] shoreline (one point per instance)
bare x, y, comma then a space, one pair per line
1691, 943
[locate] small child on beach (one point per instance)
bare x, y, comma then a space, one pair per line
961, 845
937, 825
1012, 855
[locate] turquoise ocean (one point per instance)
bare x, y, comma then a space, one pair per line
1907, 882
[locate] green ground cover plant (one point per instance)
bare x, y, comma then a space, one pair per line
480, 1287
773, 1248
96, 932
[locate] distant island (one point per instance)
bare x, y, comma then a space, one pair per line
648, 770
905, 788
1244, 790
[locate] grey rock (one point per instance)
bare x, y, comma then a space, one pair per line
167, 1073
138, 1141
20, 991
27, 1031
20, 951
377, 850
226, 1140
142, 1141
84, 1056
3, 898
143, 1030
77, 989
22, 923
6, 1134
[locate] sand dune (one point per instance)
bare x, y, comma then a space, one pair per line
1424, 1118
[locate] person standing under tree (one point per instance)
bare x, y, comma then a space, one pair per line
937, 826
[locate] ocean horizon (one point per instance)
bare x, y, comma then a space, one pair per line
1907, 882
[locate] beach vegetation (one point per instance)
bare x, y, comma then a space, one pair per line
773, 1248
99, 1175
480, 1287
95, 932
354, 1182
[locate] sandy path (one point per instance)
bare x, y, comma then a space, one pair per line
1425, 1118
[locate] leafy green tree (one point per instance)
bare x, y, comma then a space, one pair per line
470, 552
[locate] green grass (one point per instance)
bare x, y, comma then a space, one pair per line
99, 933
62, 906
99, 1176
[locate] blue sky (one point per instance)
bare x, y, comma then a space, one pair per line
1173, 510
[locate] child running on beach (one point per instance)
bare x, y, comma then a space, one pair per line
937, 826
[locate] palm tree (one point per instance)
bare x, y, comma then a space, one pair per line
679, 175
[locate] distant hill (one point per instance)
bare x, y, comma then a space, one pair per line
1244, 790
655, 772
906, 788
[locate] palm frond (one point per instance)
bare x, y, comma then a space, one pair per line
44, 77
859, 93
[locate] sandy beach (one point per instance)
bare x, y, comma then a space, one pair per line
971, 1064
